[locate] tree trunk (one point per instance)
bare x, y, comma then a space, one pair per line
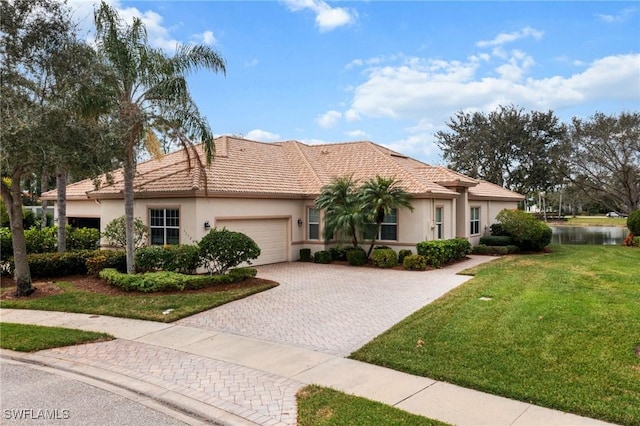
13, 200
44, 187
129, 175
373, 240
61, 186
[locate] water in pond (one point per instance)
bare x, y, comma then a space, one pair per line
594, 235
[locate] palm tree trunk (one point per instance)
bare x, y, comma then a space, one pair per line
129, 175
61, 186
13, 200
373, 240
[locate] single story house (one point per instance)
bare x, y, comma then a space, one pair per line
267, 191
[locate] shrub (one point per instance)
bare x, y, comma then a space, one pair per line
480, 249
322, 256
41, 240
183, 258
44, 265
633, 222
498, 230
636, 241
166, 281
103, 259
82, 238
439, 252
528, 233
513, 249
116, 235
356, 256
384, 258
402, 254
629, 240
496, 240
305, 255
414, 262
338, 253
6, 244
222, 249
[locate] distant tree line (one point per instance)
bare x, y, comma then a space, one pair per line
591, 161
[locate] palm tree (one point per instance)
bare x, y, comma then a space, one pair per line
151, 96
379, 197
342, 209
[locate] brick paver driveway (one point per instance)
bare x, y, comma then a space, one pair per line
333, 309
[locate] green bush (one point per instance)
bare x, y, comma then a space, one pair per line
633, 222
222, 250
356, 256
513, 249
322, 256
402, 254
439, 252
480, 249
305, 255
338, 253
41, 240
496, 240
116, 235
414, 262
6, 244
45, 265
103, 259
149, 282
384, 258
82, 238
498, 230
183, 258
528, 233
636, 241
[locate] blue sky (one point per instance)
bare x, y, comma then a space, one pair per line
395, 72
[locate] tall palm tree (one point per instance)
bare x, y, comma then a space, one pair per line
379, 197
342, 210
151, 96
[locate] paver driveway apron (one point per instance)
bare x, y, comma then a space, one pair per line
333, 309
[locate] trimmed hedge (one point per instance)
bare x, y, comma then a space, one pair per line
183, 258
322, 256
338, 253
496, 240
46, 240
384, 258
414, 262
222, 250
356, 256
402, 254
103, 259
305, 255
45, 265
150, 282
439, 252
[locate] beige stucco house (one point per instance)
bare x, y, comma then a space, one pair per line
267, 191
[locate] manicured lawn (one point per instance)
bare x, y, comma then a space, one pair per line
561, 330
148, 306
323, 406
595, 221
31, 338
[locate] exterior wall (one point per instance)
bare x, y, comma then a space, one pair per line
462, 213
488, 212
84, 208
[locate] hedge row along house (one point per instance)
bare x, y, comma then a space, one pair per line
267, 191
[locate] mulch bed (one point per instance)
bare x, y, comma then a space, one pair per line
48, 287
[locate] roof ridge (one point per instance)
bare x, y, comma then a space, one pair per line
296, 144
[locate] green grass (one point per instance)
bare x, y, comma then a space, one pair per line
147, 307
594, 221
560, 330
323, 406
31, 338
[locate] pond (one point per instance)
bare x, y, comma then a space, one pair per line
593, 235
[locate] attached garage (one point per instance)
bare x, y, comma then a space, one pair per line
271, 235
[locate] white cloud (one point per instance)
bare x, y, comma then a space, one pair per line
262, 136
327, 18
621, 16
329, 119
252, 63
357, 134
206, 37
504, 38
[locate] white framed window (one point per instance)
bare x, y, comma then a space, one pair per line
439, 226
388, 229
475, 221
313, 224
164, 226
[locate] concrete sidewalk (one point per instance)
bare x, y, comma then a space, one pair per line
241, 380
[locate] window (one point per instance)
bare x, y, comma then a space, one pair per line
475, 220
388, 229
439, 229
313, 224
165, 226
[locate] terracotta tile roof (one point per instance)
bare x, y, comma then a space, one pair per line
283, 169
489, 191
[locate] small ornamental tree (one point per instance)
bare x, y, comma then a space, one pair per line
528, 232
116, 233
222, 250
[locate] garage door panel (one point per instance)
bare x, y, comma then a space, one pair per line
270, 235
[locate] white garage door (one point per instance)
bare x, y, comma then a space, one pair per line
269, 234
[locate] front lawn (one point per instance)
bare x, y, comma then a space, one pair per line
31, 338
323, 406
594, 221
560, 330
165, 307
